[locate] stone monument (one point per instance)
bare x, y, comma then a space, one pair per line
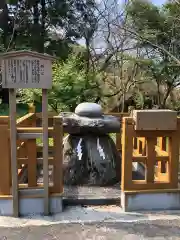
90, 154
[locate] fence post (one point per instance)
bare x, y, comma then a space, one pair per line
58, 155
162, 143
31, 154
5, 161
32, 163
118, 141
127, 152
162, 166
151, 158
173, 151
32, 108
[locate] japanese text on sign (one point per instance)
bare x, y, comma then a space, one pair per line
27, 72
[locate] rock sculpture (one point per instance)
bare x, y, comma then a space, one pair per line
90, 154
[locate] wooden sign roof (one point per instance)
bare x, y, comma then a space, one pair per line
23, 53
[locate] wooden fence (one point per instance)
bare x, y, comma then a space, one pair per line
28, 131
157, 151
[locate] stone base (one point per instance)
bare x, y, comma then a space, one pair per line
149, 201
30, 206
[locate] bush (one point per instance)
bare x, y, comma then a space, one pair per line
21, 110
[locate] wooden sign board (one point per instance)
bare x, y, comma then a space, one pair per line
25, 69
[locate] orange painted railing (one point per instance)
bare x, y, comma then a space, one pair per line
5, 166
22, 150
27, 154
27, 150
55, 132
157, 150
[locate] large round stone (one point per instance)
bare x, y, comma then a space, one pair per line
87, 109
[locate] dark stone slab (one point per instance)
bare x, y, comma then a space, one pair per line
75, 124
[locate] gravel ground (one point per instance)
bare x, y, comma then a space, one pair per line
157, 230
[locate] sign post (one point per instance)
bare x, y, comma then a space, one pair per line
45, 150
26, 69
14, 167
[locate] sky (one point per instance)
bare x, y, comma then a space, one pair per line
158, 2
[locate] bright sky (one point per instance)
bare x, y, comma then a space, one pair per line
158, 2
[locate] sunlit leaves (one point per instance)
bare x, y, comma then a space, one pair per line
69, 84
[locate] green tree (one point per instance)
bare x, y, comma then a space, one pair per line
157, 32
46, 25
50, 26
69, 84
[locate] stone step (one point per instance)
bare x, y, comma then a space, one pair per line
87, 195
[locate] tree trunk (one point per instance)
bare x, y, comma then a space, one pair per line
36, 31
43, 6
166, 96
4, 18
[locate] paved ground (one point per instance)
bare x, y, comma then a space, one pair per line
157, 230
93, 223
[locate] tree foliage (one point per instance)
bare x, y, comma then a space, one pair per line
45, 25
131, 51
70, 85
50, 26
157, 32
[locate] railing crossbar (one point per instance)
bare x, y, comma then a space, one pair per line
25, 136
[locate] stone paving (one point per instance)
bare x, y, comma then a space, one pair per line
96, 223
93, 222
157, 230
90, 214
